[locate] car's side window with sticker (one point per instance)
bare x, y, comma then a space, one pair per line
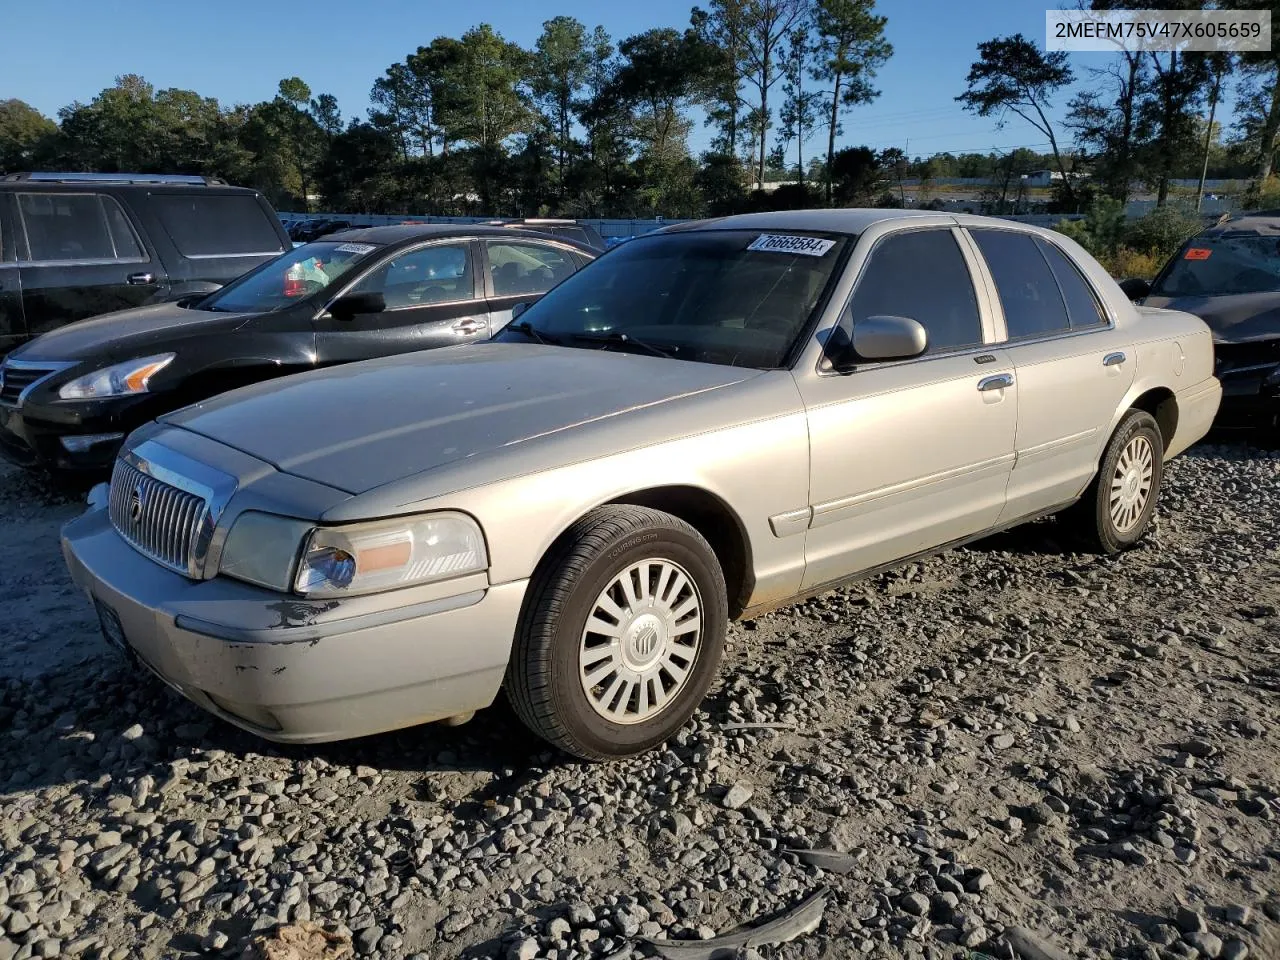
921, 274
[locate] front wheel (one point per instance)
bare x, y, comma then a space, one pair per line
621, 634
1116, 510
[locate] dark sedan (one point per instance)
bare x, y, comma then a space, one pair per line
1229, 276
68, 398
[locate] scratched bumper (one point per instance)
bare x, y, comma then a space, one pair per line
294, 670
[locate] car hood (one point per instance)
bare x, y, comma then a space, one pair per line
127, 333
1238, 318
362, 425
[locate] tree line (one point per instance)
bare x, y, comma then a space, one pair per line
581, 125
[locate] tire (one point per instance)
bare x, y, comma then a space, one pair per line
1134, 459
561, 674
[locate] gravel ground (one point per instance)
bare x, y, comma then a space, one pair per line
1011, 743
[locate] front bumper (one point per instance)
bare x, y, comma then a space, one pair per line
29, 439
301, 671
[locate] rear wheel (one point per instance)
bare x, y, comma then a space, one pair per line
621, 634
1116, 510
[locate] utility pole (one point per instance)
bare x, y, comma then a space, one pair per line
1208, 131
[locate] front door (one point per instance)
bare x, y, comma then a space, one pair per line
431, 300
521, 271
909, 455
80, 256
1073, 367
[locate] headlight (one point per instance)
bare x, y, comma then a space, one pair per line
118, 380
263, 549
362, 558
388, 554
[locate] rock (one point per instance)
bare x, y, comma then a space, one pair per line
558, 929
525, 949
978, 882
916, 904
1041, 813
132, 733
1189, 921
215, 941
1002, 741
738, 795
1235, 949
1029, 945
367, 940
1209, 945
1239, 913
1197, 748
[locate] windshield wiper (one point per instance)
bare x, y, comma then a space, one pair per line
523, 326
617, 336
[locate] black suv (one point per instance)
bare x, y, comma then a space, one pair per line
68, 398
74, 245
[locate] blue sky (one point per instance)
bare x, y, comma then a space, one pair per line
237, 51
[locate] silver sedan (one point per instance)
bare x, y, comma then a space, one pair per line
707, 422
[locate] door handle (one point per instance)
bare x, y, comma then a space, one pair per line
470, 325
1113, 359
140, 279
997, 382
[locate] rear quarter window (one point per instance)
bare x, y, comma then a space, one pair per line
217, 225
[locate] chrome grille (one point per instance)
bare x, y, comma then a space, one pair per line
158, 519
15, 378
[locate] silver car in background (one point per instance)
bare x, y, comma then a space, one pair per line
705, 423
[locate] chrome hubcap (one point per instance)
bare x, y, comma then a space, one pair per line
1131, 484
641, 641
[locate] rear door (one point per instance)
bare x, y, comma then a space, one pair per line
12, 328
1073, 366
79, 255
432, 296
521, 270
216, 236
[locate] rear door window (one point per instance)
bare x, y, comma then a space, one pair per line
65, 227
526, 268
216, 225
1083, 308
1029, 294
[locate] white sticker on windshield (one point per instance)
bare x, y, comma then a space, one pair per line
781, 243
353, 248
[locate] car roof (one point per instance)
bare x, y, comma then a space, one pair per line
398, 233
1261, 223
854, 220
108, 186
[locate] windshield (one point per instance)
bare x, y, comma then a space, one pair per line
733, 297
285, 280
1222, 265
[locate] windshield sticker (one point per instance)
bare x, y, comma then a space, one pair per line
781, 243
354, 248
1197, 253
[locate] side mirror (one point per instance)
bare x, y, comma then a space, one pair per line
888, 338
1135, 288
353, 304
519, 308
